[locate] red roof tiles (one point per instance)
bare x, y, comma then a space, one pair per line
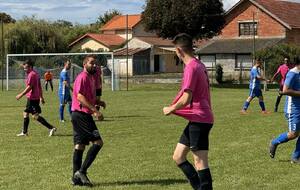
119, 22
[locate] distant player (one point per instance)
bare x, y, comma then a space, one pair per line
98, 85
193, 104
291, 88
255, 88
64, 90
34, 94
282, 70
84, 127
48, 76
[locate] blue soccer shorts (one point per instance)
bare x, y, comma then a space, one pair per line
255, 92
293, 121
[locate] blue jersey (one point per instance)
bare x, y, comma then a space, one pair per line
62, 89
292, 81
254, 82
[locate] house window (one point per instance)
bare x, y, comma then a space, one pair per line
248, 28
243, 61
208, 60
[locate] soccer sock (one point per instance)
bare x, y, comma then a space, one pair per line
190, 173
44, 122
61, 112
205, 179
25, 124
262, 105
90, 157
69, 108
278, 101
282, 138
77, 160
296, 154
246, 105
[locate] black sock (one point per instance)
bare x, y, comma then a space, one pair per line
90, 157
205, 179
25, 124
278, 101
190, 172
44, 122
77, 160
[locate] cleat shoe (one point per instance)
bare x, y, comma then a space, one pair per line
62, 121
76, 181
272, 150
295, 161
83, 178
265, 112
52, 131
22, 134
243, 112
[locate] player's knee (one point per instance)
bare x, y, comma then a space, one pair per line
178, 158
25, 114
99, 143
35, 116
79, 147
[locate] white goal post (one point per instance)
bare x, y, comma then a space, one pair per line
111, 64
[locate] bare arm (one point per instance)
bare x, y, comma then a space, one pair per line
84, 102
183, 101
290, 92
66, 84
25, 91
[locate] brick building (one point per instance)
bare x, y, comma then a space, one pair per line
251, 25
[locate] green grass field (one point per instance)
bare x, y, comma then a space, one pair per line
139, 142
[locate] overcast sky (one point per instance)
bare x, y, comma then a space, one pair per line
76, 11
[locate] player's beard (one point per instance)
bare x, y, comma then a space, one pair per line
91, 70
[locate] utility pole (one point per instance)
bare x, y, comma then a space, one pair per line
127, 52
2, 54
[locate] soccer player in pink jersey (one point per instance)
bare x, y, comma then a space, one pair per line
193, 104
34, 94
84, 127
282, 70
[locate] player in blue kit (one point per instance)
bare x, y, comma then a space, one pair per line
64, 90
255, 89
291, 88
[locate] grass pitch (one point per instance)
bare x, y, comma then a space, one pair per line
139, 142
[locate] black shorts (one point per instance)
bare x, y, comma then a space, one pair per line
33, 107
280, 88
195, 136
84, 128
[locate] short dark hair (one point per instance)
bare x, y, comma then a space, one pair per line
88, 56
184, 41
29, 62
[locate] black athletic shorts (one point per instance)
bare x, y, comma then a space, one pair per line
195, 136
33, 107
84, 128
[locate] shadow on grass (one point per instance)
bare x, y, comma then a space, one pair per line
127, 116
63, 135
161, 182
284, 160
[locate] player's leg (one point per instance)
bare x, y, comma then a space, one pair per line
46, 85
247, 102
261, 103
77, 162
61, 107
51, 85
91, 155
284, 137
45, 123
199, 133
180, 158
278, 99
25, 125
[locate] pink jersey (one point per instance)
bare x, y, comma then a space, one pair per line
195, 79
283, 70
33, 80
85, 85
97, 76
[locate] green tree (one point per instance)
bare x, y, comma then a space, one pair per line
108, 15
6, 18
274, 56
200, 19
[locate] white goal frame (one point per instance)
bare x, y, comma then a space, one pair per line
113, 86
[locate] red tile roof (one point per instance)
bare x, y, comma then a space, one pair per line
108, 40
119, 22
288, 12
156, 41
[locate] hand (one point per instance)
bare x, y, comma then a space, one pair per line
42, 100
268, 81
167, 110
19, 96
96, 113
